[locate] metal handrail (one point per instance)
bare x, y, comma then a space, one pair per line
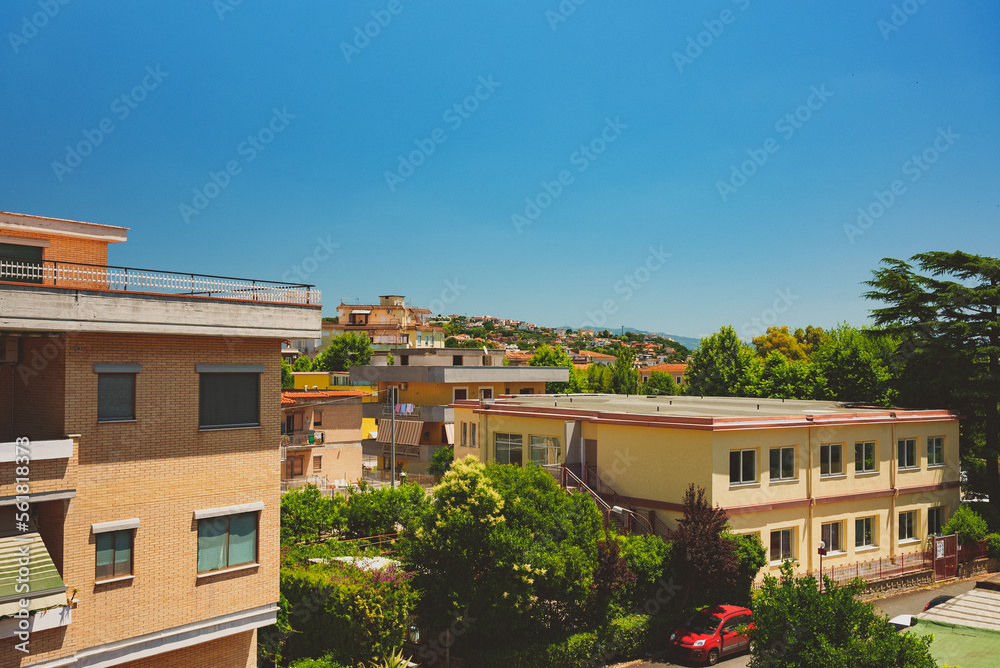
119, 278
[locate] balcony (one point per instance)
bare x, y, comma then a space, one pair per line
70, 297
37, 450
303, 439
423, 413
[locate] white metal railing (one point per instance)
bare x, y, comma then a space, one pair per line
99, 277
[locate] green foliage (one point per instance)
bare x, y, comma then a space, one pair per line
302, 363
988, 512
648, 558
394, 660
624, 375
781, 378
795, 626
287, 379
723, 366
441, 460
751, 556
853, 365
344, 613
377, 512
778, 339
993, 541
323, 662
810, 338
704, 557
347, 350
660, 384
307, 514
966, 522
546, 355
507, 547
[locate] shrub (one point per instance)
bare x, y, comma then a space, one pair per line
376, 512
994, 545
968, 524
324, 662
307, 514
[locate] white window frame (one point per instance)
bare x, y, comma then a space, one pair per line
830, 472
781, 455
864, 445
830, 530
872, 528
912, 524
938, 442
906, 443
791, 545
455, 390
472, 435
743, 452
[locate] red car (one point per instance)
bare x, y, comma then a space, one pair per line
711, 634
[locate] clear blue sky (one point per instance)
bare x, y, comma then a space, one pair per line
675, 115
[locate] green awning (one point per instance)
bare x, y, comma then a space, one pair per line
45, 585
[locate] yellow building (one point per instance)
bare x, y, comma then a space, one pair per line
339, 380
869, 482
389, 324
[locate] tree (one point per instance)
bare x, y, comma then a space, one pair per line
660, 383
704, 558
778, 339
287, 379
853, 365
624, 375
947, 318
782, 378
347, 350
970, 527
546, 355
307, 514
796, 626
441, 460
810, 338
751, 556
302, 363
723, 366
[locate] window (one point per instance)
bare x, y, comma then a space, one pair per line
317, 418
226, 541
472, 434
459, 394
907, 453
864, 532
935, 521
830, 459
297, 464
114, 554
115, 396
456, 360
935, 451
864, 457
742, 466
526, 390
229, 395
465, 427
781, 545
318, 463
906, 525
404, 360
783, 463
20, 262
830, 535
508, 448
486, 393
545, 450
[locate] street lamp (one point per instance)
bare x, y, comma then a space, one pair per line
618, 510
822, 552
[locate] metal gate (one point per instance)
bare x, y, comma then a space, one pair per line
945, 557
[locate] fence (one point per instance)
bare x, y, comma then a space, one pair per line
384, 476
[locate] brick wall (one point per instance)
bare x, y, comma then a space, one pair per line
65, 249
160, 469
236, 651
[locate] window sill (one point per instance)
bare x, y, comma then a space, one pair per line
116, 421
937, 466
839, 553
907, 469
909, 541
744, 485
784, 481
866, 548
833, 476
121, 578
223, 428
866, 474
774, 564
234, 569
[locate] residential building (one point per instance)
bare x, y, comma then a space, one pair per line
389, 324
675, 371
870, 482
339, 380
424, 383
321, 433
143, 403
588, 357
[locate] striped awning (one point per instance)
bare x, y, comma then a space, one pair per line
46, 588
407, 431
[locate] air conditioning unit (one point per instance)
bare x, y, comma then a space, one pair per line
8, 350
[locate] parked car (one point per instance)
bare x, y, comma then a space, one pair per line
937, 600
711, 634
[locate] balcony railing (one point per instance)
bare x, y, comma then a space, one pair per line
303, 439
125, 279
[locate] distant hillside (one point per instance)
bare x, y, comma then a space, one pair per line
689, 342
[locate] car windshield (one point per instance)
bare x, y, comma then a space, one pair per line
703, 623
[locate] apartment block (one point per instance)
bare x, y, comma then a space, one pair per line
321, 434
139, 454
389, 324
868, 482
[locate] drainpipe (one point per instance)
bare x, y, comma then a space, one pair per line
812, 502
893, 537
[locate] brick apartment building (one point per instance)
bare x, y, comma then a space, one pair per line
148, 403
